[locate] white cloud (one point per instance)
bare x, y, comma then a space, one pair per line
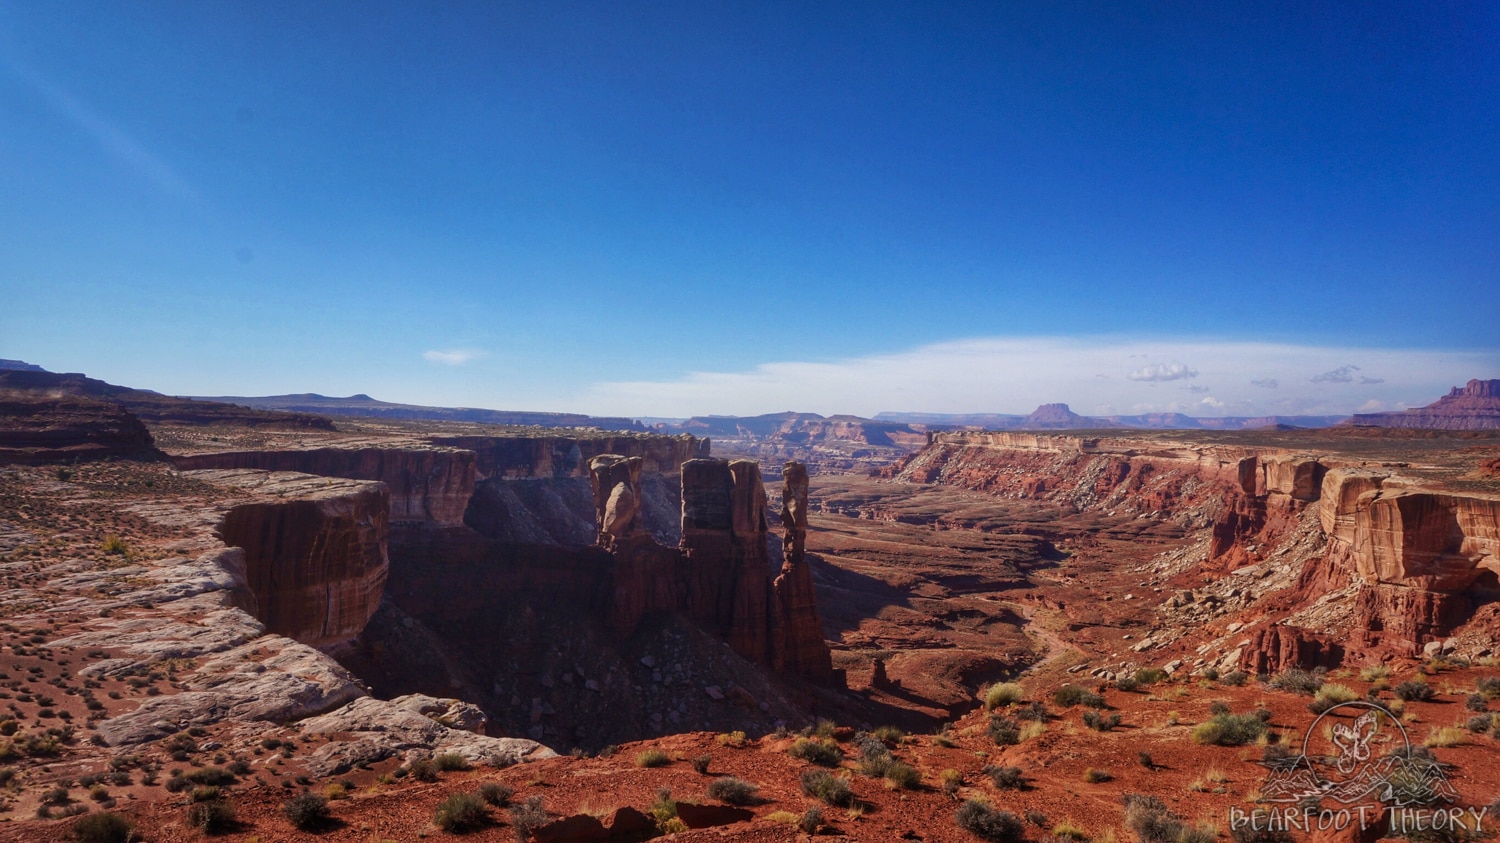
1162, 372
1343, 374
1014, 375
454, 357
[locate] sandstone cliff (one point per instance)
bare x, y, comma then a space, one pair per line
40, 428
549, 455
1475, 406
797, 643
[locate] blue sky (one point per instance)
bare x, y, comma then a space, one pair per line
674, 208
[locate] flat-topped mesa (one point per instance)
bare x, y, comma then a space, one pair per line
616, 482
797, 642
427, 485
1474, 406
315, 550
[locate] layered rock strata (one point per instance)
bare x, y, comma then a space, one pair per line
1474, 406
797, 643
38, 428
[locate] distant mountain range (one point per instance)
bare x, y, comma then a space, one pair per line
364, 405
1060, 417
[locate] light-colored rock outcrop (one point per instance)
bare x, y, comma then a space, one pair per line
371, 730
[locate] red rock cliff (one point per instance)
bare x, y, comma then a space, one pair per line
560, 455
1475, 406
39, 428
315, 551
797, 643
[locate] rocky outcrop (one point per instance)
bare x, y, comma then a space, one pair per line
616, 482
554, 455
314, 550
39, 428
724, 540
1279, 647
428, 485
797, 643
1475, 406
372, 730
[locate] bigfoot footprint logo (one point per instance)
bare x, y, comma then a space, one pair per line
1348, 760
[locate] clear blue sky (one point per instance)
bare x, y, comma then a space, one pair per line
596, 206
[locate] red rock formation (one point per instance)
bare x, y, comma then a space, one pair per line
797, 642
616, 482
724, 540
316, 561
39, 428
426, 484
560, 455
1278, 647
1476, 406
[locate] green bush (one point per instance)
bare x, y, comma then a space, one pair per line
102, 828
1331, 695
461, 812
817, 751
424, 770
1100, 722
733, 791
874, 758
1229, 730
888, 734
1414, 691
1004, 731
823, 785
307, 811
1150, 675
215, 776
985, 822
447, 761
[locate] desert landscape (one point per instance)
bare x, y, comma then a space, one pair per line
265, 625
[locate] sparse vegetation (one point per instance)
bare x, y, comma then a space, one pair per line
1149, 818
1297, 681
1374, 673
812, 820
821, 784
1413, 691
1003, 731
986, 823
1069, 831
1330, 695
904, 776
1234, 678
732, 739
1489, 686
528, 816
103, 828
1006, 778
733, 791
448, 761
1003, 694
1096, 776
214, 816
701, 762
1070, 695
1229, 730
652, 758
951, 780
307, 811
1446, 736
1100, 722
817, 751
495, 793
460, 813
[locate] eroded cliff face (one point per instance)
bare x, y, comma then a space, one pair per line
797, 643
315, 553
558, 455
1418, 560
426, 485
36, 427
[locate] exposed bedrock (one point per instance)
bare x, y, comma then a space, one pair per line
555, 455
316, 560
431, 485
797, 643
39, 428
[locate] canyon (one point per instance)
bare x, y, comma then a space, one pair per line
377, 591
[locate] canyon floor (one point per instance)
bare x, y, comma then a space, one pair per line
929, 593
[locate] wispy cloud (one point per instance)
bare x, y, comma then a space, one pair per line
1343, 374
1266, 383
1014, 375
114, 140
1162, 372
453, 357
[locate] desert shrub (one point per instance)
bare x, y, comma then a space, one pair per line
821, 784
1235, 678
1445, 736
733, 791
1005, 778
447, 761
1330, 695
1149, 818
1374, 673
306, 811
903, 776
1069, 831
1476, 702
812, 820
527, 816
1258, 830
1297, 681
734, 739
1034, 711
1488, 685
424, 770
985, 822
784, 817
874, 758
817, 751
212, 793
824, 728
1479, 724
212, 817
1037, 818
652, 758
115, 545
1070, 695
1095, 776
1218, 707
1414, 692
951, 779
1100, 722
1211, 673
1229, 730
1003, 731
1150, 675
1127, 683
1032, 730
701, 762
888, 734
1003, 694
102, 828
495, 793
1146, 760
461, 812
